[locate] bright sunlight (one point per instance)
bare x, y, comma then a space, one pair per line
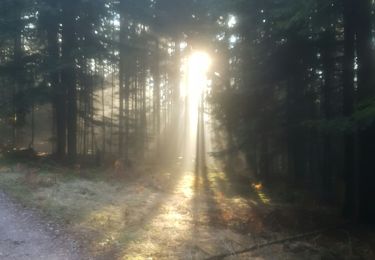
193, 87
199, 63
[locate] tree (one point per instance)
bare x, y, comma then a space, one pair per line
366, 92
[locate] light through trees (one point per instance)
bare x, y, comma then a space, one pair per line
194, 84
198, 65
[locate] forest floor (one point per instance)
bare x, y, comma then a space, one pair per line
182, 215
24, 236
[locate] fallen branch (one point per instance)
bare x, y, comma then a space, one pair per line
278, 241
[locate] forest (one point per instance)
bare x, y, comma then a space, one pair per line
248, 124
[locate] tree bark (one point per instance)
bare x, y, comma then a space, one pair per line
350, 175
68, 76
122, 52
327, 90
366, 92
156, 93
59, 97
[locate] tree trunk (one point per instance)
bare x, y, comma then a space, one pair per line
112, 110
18, 73
327, 89
350, 175
59, 98
143, 115
156, 94
68, 77
122, 51
103, 112
366, 92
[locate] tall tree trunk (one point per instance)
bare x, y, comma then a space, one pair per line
143, 115
59, 98
351, 181
295, 137
366, 91
327, 89
122, 51
31, 145
85, 98
112, 110
264, 162
68, 77
156, 94
135, 109
127, 112
18, 72
92, 116
103, 112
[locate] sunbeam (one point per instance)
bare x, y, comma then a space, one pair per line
193, 88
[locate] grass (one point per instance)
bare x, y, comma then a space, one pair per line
160, 215
151, 216
106, 214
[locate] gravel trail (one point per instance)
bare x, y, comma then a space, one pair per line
25, 236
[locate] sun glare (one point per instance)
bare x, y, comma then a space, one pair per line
198, 66
193, 88
199, 63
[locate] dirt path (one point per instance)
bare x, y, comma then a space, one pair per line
24, 236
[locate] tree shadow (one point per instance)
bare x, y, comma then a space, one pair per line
204, 194
135, 230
